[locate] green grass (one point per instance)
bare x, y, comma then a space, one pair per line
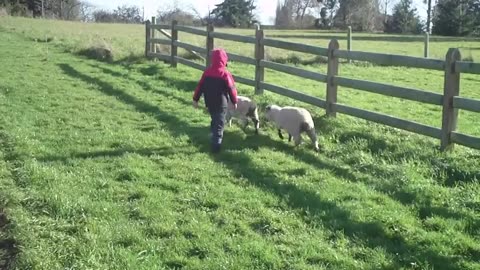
128, 41
106, 166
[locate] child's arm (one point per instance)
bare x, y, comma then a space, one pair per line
232, 89
199, 90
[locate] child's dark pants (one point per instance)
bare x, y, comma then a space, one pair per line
216, 127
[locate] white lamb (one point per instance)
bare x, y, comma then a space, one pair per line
246, 108
295, 121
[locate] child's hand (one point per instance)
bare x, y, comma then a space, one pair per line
195, 104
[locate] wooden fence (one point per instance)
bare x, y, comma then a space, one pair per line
450, 100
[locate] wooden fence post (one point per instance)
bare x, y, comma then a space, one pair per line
451, 89
427, 45
153, 46
331, 73
349, 42
174, 48
147, 38
210, 43
259, 56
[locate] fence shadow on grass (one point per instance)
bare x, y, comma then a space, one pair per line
372, 234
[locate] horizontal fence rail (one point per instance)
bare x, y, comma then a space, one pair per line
232, 37
241, 59
467, 67
190, 30
190, 47
189, 63
392, 91
392, 60
390, 121
295, 95
244, 80
466, 140
160, 26
294, 47
160, 41
294, 71
468, 104
452, 67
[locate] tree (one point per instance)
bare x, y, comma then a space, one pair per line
429, 13
182, 17
127, 14
386, 4
473, 18
283, 15
86, 13
63, 9
452, 17
362, 15
296, 13
235, 13
323, 21
104, 16
122, 14
404, 19
330, 6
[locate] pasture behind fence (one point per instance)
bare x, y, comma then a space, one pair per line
450, 100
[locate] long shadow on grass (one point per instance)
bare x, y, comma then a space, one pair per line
333, 217
446, 173
147, 86
117, 152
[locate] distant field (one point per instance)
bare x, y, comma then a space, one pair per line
105, 166
128, 40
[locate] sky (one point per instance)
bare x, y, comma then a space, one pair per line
265, 8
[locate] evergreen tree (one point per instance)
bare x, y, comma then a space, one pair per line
473, 18
235, 13
404, 19
457, 18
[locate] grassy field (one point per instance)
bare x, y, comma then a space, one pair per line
128, 40
127, 44
106, 166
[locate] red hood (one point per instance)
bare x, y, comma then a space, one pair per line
219, 58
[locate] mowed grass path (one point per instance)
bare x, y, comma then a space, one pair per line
107, 167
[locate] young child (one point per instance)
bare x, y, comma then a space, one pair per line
218, 88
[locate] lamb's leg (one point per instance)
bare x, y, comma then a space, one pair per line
280, 134
298, 139
256, 121
313, 137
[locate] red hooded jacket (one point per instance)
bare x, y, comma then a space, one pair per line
217, 84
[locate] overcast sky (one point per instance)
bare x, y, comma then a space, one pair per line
265, 8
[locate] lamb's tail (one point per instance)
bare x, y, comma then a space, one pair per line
310, 130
